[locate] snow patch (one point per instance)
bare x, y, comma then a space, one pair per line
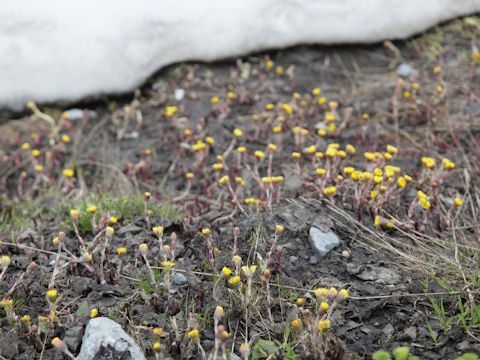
56, 50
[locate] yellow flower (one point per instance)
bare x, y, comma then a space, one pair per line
287, 109
234, 280
328, 191
5, 261
272, 148
210, 140
189, 176
25, 319
36, 153
424, 203
25, 146
113, 220
448, 165
373, 195
194, 334
296, 155
348, 170
269, 64
458, 202
324, 306
392, 149
231, 95
369, 156
279, 229
316, 91
259, 154
65, 138
121, 251
92, 209
157, 347
250, 201
296, 324
437, 69
311, 149
214, 100
342, 295
300, 301
428, 162
241, 149
224, 180
206, 231
322, 100
320, 292
331, 152
277, 129
329, 117
52, 295
218, 313
323, 325
38, 168
158, 230
320, 171
168, 264
350, 149
401, 182
93, 313
249, 271
109, 231
269, 106
143, 248
170, 111
237, 260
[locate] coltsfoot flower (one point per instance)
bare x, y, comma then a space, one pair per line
194, 335
52, 295
234, 280
226, 272
323, 325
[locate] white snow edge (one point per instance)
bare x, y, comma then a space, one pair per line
56, 50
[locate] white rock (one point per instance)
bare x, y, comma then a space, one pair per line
179, 279
323, 242
106, 337
65, 50
179, 94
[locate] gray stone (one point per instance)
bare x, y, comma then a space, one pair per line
379, 274
410, 333
388, 330
313, 260
405, 70
72, 337
104, 339
323, 242
179, 279
234, 356
129, 229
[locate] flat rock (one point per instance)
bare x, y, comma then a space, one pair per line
104, 339
323, 242
379, 274
129, 229
179, 279
72, 337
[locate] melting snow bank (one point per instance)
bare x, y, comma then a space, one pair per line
56, 50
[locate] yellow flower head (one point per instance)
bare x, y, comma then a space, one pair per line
121, 251
296, 324
329, 191
194, 334
316, 91
320, 171
93, 313
249, 271
170, 111
458, 202
320, 292
234, 280
214, 100
143, 249
448, 165
238, 133
287, 109
279, 229
5, 261
259, 154
323, 307
52, 295
424, 203
428, 162
323, 325
392, 150
92, 209
157, 347
168, 264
